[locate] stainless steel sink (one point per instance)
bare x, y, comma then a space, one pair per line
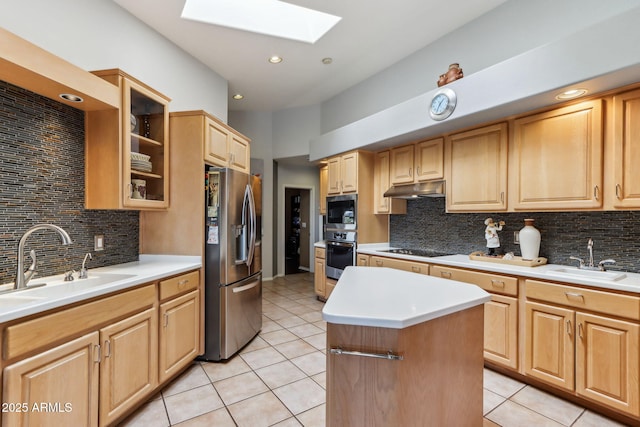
609, 276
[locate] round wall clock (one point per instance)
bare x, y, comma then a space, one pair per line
442, 104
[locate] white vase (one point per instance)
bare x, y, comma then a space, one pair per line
529, 238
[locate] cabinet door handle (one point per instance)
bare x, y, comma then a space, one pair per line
569, 329
166, 320
580, 331
618, 191
498, 283
445, 274
97, 356
502, 197
596, 192
418, 171
389, 355
410, 172
107, 345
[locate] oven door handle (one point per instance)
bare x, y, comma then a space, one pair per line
345, 245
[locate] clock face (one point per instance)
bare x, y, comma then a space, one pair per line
442, 104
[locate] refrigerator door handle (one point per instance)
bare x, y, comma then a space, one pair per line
252, 226
246, 287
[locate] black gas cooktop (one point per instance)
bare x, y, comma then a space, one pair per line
417, 252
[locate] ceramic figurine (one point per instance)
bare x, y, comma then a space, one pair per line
453, 73
491, 234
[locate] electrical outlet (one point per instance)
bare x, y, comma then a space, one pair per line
516, 237
98, 242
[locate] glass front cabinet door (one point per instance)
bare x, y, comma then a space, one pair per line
126, 152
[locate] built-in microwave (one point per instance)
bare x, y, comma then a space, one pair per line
342, 211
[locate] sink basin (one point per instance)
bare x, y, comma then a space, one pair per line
610, 276
60, 287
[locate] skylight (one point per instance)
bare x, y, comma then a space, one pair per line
271, 17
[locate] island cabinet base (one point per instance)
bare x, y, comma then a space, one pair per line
437, 383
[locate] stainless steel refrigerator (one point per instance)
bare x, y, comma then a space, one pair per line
233, 261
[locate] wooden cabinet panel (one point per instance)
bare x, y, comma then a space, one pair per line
496, 283
128, 371
626, 124
179, 333
362, 260
319, 277
398, 264
330, 285
402, 169
385, 205
557, 158
64, 375
320, 252
549, 344
239, 152
349, 173
179, 284
607, 360
224, 147
215, 145
324, 187
476, 169
501, 330
333, 175
429, 159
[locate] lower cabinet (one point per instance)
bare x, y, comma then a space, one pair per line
179, 333
58, 387
398, 264
129, 365
577, 339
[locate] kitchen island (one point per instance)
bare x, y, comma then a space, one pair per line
404, 349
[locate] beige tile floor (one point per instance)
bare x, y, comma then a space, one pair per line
279, 379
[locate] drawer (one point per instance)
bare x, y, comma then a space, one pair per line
398, 264
587, 299
489, 282
320, 252
179, 284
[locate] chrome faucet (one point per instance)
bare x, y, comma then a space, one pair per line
591, 266
590, 247
23, 278
84, 273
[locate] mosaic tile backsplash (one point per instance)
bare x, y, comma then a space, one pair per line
42, 181
615, 234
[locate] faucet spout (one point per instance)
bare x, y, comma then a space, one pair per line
590, 247
21, 281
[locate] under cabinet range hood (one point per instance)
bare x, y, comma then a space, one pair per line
419, 189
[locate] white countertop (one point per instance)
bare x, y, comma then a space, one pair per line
388, 298
58, 293
630, 283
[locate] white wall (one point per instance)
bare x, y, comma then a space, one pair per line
99, 34
508, 30
292, 130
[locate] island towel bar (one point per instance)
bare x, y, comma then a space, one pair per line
388, 355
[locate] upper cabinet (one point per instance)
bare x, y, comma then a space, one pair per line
476, 169
417, 162
342, 174
381, 183
324, 182
225, 147
127, 150
626, 125
557, 158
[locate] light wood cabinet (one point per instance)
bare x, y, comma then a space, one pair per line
626, 173
385, 205
139, 128
66, 375
342, 174
319, 276
418, 162
129, 366
225, 147
591, 354
476, 169
500, 314
557, 158
362, 260
179, 333
324, 183
399, 264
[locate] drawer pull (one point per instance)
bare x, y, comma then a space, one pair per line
183, 282
445, 274
574, 295
379, 263
416, 269
498, 283
389, 355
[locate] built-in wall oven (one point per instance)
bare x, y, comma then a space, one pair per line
340, 234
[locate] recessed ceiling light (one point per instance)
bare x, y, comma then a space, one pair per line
71, 97
327, 61
270, 17
570, 94
275, 59
238, 96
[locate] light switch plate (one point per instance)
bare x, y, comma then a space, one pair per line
516, 237
98, 242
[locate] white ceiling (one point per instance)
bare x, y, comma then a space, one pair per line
371, 36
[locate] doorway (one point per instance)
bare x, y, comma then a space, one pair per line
297, 230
